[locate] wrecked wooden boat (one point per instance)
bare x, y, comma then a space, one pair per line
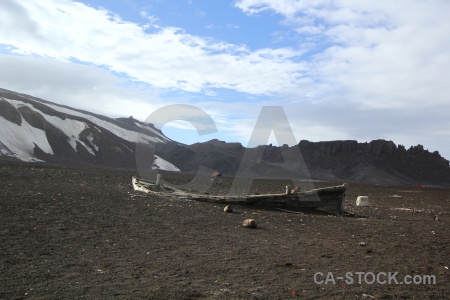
328, 198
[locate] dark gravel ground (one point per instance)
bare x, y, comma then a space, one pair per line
83, 233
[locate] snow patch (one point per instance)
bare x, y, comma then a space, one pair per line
162, 164
71, 128
154, 131
90, 138
21, 140
5, 151
115, 129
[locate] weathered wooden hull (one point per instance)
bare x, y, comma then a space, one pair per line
330, 198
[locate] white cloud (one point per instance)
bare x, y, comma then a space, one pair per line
165, 58
151, 19
374, 54
80, 86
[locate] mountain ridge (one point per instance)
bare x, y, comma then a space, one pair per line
38, 130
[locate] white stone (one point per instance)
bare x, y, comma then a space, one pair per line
362, 201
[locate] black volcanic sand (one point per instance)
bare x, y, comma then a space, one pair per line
81, 233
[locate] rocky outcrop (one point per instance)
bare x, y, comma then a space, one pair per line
377, 161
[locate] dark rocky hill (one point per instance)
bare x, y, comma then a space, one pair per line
378, 161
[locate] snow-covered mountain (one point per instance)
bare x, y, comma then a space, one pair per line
35, 130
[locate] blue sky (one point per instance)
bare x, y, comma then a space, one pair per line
219, 20
357, 70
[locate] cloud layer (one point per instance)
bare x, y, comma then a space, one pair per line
162, 57
379, 54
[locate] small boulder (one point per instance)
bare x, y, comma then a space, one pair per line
362, 201
249, 223
228, 209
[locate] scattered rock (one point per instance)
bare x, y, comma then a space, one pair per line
362, 244
362, 201
295, 190
228, 209
249, 223
436, 218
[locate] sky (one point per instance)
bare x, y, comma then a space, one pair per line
341, 70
